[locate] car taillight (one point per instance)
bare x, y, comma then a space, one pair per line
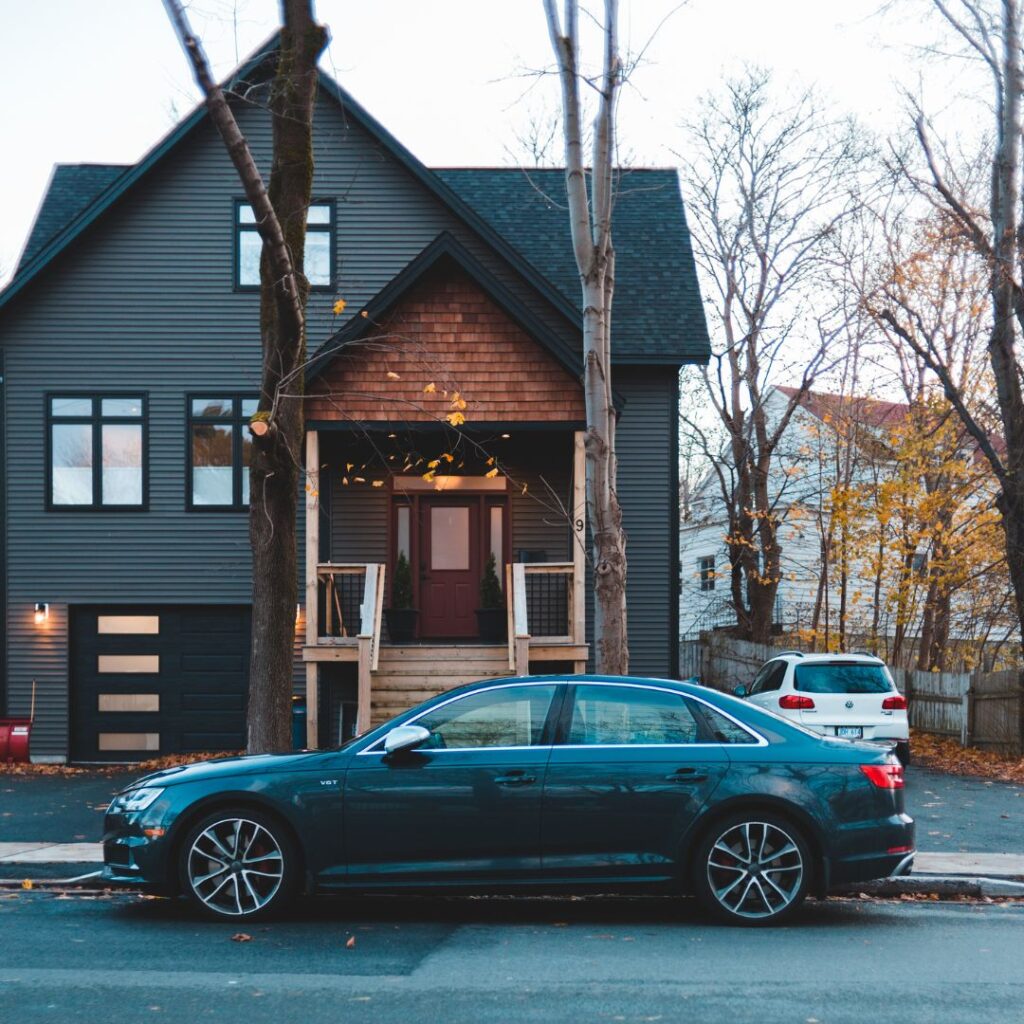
896, 703
796, 702
884, 776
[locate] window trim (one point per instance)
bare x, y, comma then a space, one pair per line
96, 421
331, 229
557, 713
237, 421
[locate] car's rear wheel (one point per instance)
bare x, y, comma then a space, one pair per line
752, 868
238, 864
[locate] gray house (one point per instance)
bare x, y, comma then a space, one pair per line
130, 348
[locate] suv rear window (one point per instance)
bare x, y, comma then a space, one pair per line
842, 677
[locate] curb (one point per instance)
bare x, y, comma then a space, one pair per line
939, 885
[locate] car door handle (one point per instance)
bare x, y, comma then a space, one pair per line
686, 775
516, 778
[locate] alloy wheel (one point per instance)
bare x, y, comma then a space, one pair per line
755, 870
235, 867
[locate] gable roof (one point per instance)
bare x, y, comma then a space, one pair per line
658, 314
657, 311
871, 412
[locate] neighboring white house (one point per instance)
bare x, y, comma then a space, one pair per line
815, 451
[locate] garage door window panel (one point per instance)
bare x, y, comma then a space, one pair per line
96, 455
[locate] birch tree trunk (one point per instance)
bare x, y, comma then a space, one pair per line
277, 428
590, 219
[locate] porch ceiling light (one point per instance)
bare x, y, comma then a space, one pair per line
42, 612
506, 436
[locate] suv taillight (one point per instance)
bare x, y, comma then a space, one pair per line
896, 703
796, 702
884, 776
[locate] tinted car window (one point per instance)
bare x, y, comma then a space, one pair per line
511, 716
724, 730
775, 677
842, 677
629, 714
758, 684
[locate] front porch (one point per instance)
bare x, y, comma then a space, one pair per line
374, 496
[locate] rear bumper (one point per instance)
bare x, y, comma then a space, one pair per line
890, 856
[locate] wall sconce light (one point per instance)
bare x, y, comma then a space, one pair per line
42, 612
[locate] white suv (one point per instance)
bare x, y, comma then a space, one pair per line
851, 696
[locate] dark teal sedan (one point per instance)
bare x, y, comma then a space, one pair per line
546, 783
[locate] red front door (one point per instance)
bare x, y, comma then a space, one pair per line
449, 567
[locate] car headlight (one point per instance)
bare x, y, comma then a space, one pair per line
137, 799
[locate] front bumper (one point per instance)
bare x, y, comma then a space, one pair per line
133, 858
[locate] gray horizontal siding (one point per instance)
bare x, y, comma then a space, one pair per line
648, 444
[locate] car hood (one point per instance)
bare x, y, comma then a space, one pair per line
222, 767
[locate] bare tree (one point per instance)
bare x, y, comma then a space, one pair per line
767, 186
590, 220
277, 427
990, 33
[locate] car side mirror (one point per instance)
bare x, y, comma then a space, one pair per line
405, 737
740, 691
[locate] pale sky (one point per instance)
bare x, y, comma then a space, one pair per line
102, 80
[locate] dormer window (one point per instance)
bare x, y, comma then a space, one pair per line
319, 261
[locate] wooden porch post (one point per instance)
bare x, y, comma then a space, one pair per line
312, 586
579, 545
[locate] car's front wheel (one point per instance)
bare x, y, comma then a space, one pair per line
238, 864
752, 868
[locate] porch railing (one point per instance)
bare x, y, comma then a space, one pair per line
541, 609
350, 605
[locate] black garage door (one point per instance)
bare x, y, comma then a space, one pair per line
157, 680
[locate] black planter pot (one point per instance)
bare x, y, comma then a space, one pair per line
491, 624
401, 624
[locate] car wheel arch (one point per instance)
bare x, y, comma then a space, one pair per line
791, 812
233, 801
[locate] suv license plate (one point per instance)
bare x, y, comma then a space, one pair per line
850, 732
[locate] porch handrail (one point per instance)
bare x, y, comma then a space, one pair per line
520, 634
369, 641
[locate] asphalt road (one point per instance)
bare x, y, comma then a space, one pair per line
124, 958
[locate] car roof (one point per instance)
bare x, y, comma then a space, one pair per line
814, 658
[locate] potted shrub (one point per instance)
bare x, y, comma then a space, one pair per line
490, 616
401, 616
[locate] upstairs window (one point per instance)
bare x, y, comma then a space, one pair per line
706, 572
319, 260
96, 451
219, 445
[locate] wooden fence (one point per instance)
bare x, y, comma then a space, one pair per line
980, 709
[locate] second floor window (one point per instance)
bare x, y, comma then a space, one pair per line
96, 451
219, 446
706, 572
319, 258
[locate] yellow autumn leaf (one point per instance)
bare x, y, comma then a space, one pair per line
457, 401
364, 314
456, 419
429, 475
430, 389
359, 479
433, 463
27, 884
339, 307
491, 472
344, 481
393, 376
524, 488
448, 458
350, 466
490, 461
378, 483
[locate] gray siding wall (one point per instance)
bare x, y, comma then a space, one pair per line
648, 450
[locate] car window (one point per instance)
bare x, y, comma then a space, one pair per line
769, 678
510, 716
775, 677
842, 677
723, 729
620, 715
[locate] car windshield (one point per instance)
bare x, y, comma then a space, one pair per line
842, 677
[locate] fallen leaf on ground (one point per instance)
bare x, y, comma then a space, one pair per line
945, 754
351, 943
241, 937
27, 884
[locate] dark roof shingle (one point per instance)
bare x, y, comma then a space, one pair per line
657, 310
73, 187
